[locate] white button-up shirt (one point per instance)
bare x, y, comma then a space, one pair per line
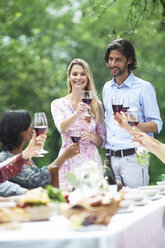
141, 95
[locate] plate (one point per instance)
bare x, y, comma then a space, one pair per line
154, 198
91, 228
126, 210
162, 193
7, 204
140, 203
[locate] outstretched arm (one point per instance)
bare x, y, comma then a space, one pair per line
13, 166
151, 144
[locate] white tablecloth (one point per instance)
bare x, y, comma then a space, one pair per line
142, 228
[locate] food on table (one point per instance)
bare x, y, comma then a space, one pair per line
40, 203
97, 209
55, 194
34, 197
13, 214
35, 204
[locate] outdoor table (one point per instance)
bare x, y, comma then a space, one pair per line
142, 228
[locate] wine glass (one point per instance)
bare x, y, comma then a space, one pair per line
87, 96
117, 105
126, 105
133, 120
75, 134
40, 125
133, 117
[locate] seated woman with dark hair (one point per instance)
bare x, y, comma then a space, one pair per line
13, 166
15, 131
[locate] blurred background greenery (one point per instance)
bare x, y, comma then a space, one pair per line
39, 38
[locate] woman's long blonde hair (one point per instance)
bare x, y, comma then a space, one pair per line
96, 110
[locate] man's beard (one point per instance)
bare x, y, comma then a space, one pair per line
120, 71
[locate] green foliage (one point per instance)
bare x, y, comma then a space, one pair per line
39, 38
71, 178
55, 194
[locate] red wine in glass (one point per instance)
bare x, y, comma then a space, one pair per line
87, 101
126, 104
75, 139
75, 134
125, 109
133, 117
40, 124
40, 129
117, 108
133, 123
87, 96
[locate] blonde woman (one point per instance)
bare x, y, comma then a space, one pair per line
68, 112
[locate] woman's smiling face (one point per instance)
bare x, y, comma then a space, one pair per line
78, 77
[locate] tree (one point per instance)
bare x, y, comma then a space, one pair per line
39, 38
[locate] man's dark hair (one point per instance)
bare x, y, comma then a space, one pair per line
126, 48
12, 123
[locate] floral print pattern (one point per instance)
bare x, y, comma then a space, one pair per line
62, 109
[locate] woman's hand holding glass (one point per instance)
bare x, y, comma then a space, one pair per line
34, 146
86, 136
82, 107
72, 150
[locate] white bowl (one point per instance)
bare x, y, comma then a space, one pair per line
41, 212
125, 203
150, 192
161, 183
158, 187
134, 196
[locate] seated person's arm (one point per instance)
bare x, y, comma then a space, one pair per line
13, 166
54, 167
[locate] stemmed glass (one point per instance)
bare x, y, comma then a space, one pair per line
141, 153
133, 120
40, 125
117, 105
87, 96
75, 134
133, 117
126, 105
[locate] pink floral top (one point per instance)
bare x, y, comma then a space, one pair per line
11, 168
62, 109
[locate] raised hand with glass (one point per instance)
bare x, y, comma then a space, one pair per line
40, 125
87, 96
